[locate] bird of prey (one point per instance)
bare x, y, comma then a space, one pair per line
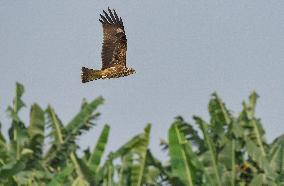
113, 51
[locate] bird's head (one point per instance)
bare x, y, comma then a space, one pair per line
131, 71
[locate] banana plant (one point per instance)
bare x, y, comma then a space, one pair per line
133, 168
228, 149
24, 159
232, 150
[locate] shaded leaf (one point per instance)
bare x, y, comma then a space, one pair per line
96, 156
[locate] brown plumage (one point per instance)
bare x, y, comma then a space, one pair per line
113, 51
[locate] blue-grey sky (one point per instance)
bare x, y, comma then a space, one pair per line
182, 52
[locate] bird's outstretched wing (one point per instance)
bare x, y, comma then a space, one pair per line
114, 41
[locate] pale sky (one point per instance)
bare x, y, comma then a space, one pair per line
182, 53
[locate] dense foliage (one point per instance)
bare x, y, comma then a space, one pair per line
227, 150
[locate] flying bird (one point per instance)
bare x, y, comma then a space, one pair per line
113, 50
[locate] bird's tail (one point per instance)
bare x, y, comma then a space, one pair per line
89, 75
